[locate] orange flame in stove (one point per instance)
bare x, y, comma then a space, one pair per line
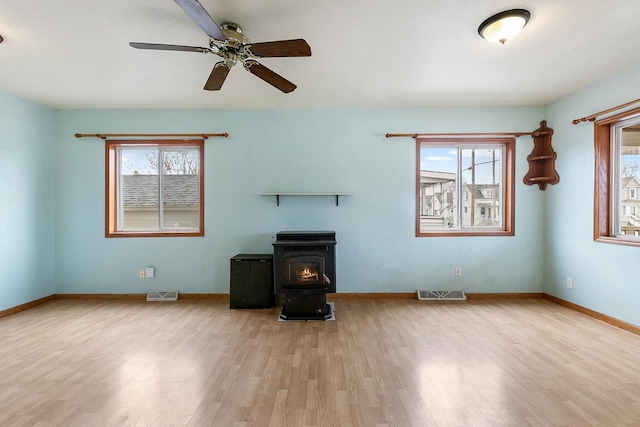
307, 274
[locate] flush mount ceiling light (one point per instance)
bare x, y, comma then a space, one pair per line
504, 26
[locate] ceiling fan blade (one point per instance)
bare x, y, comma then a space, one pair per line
200, 16
156, 46
282, 48
275, 80
217, 76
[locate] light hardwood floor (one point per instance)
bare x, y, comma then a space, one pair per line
525, 362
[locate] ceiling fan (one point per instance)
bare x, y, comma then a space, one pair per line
228, 42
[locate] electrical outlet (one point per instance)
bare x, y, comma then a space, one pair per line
141, 274
458, 271
569, 283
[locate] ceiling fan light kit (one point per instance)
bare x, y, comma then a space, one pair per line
228, 42
504, 26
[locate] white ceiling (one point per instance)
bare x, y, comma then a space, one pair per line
365, 53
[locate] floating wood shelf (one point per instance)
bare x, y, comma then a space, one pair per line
538, 158
541, 178
542, 170
334, 194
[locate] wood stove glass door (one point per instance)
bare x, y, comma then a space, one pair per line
304, 271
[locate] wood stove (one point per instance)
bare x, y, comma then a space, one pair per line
304, 270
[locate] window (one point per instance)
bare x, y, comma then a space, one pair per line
617, 178
154, 188
481, 169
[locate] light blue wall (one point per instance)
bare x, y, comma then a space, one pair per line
306, 150
27, 270
294, 150
606, 277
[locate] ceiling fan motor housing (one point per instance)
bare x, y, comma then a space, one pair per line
233, 32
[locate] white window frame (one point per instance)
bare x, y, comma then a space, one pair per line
617, 211
506, 186
113, 183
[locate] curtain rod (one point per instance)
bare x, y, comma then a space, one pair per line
121, 135
417, 135
592, 117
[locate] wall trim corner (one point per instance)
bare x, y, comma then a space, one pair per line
25, 306
595, 314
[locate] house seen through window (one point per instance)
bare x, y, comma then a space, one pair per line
154, 188
482, 170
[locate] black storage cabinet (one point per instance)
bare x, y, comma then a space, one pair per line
251, 281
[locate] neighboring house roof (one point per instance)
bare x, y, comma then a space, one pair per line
434, 177
625, 182
479, 188
142, 190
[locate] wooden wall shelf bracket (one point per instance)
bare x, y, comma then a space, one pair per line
542, 169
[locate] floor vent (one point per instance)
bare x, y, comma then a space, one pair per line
162, 296
442, 295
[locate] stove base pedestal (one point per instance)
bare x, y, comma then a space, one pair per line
305, 304
325, 314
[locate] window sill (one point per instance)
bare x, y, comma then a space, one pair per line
466, 234
617, 241
155, 234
